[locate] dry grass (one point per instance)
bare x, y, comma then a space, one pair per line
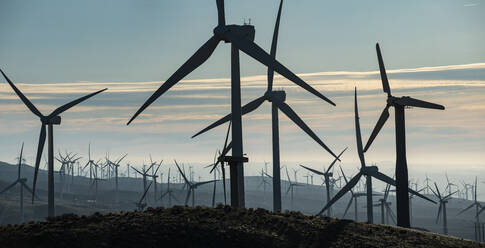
219, 227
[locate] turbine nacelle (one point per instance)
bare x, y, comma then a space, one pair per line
370, 169
54, 120
246, 31
279, 95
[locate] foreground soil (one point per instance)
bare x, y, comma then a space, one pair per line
214, 227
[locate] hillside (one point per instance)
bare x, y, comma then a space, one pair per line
219, 227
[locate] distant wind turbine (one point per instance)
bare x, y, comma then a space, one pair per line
191, 186
442, 207
326, 175
23, 185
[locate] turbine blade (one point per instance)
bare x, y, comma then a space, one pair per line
256, 52
357, 131
286, 109
335, 160
274, 44
437, 190
187, 197
481, 210
313, 170
388, 180
23, 97
221, 16
40, 148
382, 69
9, 186
145, 193
181, 172
409, 101
30, 191
393, 215
464, 210
439, 213
228, 148
202, 183
347, 208
73, 103
380, 123
342, 192
249, 107
199, 57
288, 175
227, 136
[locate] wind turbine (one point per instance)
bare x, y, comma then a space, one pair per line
354, 196
475, 204
141, 204
90, 163
399, 104
449, 184
326, 175
241, 38
94, 183
385, 206
22, 182
191, 186
154, 177
169, 191
116, 164
221, 159
277, 100
442, 208
367, 171
49, 120
263, 181
144, 174
427, 180
291, 186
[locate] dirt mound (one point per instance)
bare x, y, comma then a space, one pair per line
214, 227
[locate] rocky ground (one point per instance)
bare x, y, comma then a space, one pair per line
214, 227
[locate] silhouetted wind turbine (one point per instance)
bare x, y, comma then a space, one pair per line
144, 174
192, 186
291, 186
326, 175
277, 99
221, 159
449, 184
141, 204
367, 171
22, 182
399, 104
241, 38
49, 120
116, 164
169, 191
442, 208
475, 204
354, 196
427, 180
154, 178
385, 206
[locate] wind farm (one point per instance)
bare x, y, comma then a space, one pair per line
316, 176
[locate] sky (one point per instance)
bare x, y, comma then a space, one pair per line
56, 51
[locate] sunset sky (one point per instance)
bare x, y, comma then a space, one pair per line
56, 51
